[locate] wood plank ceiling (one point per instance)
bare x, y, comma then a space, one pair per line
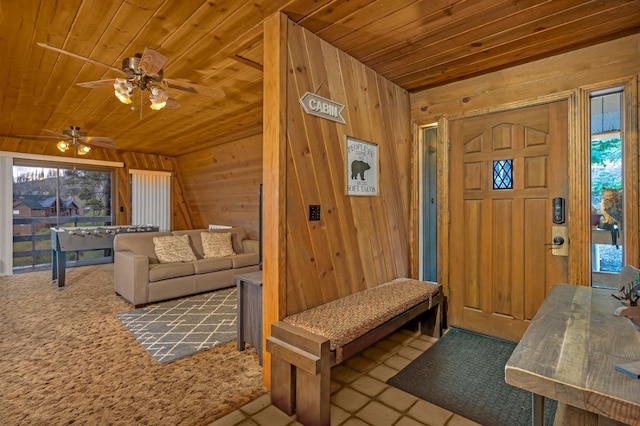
415, 43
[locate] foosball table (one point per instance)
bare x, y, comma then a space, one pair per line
70, 239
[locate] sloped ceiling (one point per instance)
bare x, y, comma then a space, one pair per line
416, 44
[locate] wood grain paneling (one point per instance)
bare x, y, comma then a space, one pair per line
274, 174
180, 218
360, 242
414, 43
221, 184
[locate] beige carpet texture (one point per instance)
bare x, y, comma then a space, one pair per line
66, 359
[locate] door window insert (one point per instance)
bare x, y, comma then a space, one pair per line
607, 187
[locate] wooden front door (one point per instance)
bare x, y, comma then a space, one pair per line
505, 170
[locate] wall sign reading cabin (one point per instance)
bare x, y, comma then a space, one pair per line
322, 107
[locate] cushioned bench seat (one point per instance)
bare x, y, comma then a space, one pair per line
345, 319
306, 345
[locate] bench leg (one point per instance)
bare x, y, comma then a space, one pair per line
283, 381
313, 396
432, 323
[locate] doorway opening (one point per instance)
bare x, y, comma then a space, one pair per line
607, 187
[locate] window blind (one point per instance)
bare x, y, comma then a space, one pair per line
151, 198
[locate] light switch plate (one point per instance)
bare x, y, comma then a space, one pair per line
314, 212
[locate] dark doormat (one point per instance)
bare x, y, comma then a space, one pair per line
463, 372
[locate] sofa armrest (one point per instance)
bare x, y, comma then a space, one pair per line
131, 276
250, 246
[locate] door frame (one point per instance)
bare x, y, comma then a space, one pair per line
578, 184
578, 220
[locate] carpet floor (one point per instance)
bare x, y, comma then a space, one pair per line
66, 359
464, 373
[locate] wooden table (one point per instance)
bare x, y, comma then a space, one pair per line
249, 288
568, 353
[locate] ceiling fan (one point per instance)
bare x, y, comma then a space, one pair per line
74, 138
144, 71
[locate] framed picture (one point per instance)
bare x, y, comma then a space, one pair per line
361, 167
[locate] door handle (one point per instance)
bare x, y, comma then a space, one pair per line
559, 240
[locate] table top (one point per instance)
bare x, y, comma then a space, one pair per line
569, 350
250, 277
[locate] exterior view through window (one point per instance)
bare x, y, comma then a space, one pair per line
607, 221
46, 197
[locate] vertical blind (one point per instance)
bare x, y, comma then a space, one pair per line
151, 198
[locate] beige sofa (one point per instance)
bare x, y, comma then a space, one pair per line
140, 278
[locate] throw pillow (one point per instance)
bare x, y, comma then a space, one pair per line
173, 248
217, 244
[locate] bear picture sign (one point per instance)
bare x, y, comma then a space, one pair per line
362, 167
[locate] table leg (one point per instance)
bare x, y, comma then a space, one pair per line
537, 410
61, 264
241, 302
54, 264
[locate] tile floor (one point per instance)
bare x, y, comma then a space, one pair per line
359, 393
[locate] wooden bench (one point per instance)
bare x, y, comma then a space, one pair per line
306, 345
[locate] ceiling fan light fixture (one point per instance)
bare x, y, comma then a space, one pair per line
63, 146
158, 97
123, 89
83, 149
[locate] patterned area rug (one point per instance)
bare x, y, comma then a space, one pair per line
179, 328
464, 373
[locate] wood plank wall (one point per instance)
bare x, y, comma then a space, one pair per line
180, 213
360, 241
567, 76
221, 184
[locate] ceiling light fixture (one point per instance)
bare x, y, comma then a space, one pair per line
63, 146
158, 97
83, 149
123, 90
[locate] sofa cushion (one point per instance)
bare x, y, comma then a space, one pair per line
217, 244
173, 248
238, 235
244, 259
138, 242
213, 264
165, 271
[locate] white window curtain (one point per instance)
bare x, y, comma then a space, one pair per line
151, 198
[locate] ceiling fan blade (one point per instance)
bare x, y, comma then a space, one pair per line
152, 61
36, 137
94, 142
172, 103
92, 139
212, 92
84, 58
58, 134
97, 83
